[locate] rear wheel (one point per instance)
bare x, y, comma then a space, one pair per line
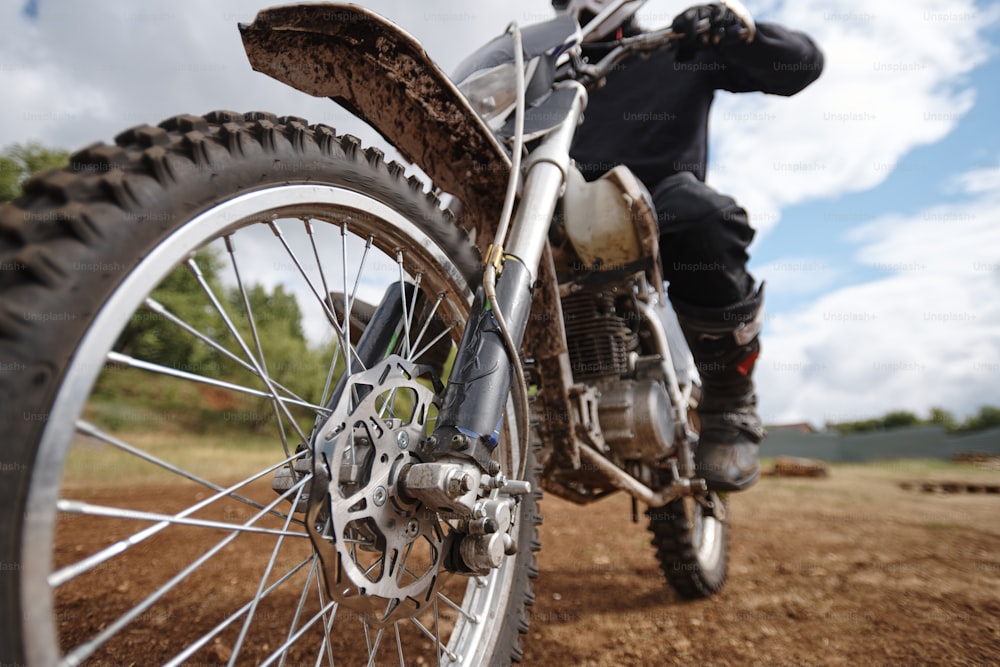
692, 546
164, 398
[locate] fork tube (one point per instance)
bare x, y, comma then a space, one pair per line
471, 414
546, 176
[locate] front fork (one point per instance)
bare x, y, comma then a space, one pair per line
471, 418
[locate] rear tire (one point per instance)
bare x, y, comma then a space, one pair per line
692, 547
80, 252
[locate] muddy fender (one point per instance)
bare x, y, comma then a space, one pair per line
384, 76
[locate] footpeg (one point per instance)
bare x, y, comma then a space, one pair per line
714, 506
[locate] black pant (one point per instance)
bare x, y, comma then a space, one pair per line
703, 243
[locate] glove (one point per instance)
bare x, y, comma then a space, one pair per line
705, 26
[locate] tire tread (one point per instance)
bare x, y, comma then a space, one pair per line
677, 554
112, 205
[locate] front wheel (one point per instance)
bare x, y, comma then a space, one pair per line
178, 314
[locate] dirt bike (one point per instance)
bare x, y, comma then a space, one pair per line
497, 333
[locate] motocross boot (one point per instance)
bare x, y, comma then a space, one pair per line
725, 345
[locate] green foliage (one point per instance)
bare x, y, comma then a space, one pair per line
19, 162
277, 331
152, 337
987, 417
941, 417
900, 419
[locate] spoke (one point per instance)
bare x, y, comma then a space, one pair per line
124, 360
402, 564
307, 223
385, 411
85, 650
329, 303
437, 628
378, 640
413, 308
431, 344
284, 647
368, 636
81, 507
93, 431
402, 294
441, 647
161, 310
193, 265
325, 645
361, 266
399, 645
427, 322
472, 618
323, 302
302, 603
329, 376
348, 298
380, 560
70, 572
263, 580
260, 351
204, 639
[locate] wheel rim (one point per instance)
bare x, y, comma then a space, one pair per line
707, 536
461, 625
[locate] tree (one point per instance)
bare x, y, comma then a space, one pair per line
900, 419
18, 162
289, 358
944, 418
987, 417
151, 337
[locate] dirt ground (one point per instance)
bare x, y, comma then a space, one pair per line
847, 570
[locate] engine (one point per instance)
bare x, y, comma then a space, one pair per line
634, 410
600, 339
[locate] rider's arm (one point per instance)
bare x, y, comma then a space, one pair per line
778, 61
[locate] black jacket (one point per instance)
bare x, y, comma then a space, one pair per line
652, 115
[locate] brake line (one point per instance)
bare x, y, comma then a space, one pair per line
495, 256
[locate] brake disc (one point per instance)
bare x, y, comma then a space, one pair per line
381, 554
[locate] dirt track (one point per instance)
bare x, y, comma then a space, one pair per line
849, 570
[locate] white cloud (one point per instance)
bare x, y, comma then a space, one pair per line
796, 276
893, 80
926, 335
85, 71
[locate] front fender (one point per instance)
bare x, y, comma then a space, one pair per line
385, 77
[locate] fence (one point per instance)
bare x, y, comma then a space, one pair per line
929, 442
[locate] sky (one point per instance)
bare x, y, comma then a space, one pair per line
875, 192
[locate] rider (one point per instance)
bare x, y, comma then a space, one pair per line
652, 116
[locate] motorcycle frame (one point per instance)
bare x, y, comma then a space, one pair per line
419, 111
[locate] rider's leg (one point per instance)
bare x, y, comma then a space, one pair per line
703, 241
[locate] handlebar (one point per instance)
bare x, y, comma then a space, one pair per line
592, 75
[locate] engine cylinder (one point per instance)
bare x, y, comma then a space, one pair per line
598, 336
